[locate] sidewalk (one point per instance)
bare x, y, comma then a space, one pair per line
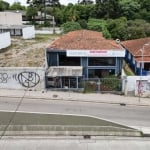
73, 96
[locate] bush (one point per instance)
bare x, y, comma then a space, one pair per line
100, 26
71, 26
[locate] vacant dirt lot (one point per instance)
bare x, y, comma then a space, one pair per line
26, 53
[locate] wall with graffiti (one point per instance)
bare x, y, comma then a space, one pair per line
22, 78
137, 86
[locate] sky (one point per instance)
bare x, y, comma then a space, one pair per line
23, 2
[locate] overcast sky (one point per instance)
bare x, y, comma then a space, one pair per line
23, 2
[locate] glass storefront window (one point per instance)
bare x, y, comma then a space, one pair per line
102, 61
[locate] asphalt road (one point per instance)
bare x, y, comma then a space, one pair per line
127, 115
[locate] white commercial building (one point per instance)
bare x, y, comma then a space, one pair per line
10, 18
25, 31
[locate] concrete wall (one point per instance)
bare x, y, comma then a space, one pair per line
137, 86
10, 18
22, 78
28, 32
5, 40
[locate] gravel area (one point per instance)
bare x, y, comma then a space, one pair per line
26, 53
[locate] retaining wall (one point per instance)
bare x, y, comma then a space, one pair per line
22, 78
137, 86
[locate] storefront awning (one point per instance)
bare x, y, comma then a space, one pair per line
65, 71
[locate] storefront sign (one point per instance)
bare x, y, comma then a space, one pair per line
96, 53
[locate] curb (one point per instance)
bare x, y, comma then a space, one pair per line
80, 100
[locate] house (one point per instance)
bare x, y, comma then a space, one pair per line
82, 54
138, 55
24, 31
10, 18
12, 22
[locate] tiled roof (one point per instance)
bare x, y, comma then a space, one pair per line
84, 40
145, 59
135, 47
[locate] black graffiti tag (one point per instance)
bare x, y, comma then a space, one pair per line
3, 77
28, 79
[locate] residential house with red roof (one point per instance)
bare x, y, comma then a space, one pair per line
82, 54
138, 55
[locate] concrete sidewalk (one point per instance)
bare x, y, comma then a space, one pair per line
74, 96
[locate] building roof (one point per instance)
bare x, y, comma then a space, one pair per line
84, 40
136, 46
14, 26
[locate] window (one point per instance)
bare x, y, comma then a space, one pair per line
105, 61
68, 61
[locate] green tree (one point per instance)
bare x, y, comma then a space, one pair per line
57, 12
70, 13
84, 11
31, 13
85, 2
41, 5
138, 29
145, 4
107, 8
17, 6
99, 25
118, 28
129, 8
71, 26
3, 5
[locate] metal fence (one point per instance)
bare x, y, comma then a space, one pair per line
103, 85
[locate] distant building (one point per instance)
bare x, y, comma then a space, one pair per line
10, 18
138, 55
12, 22
25, 31
82, 54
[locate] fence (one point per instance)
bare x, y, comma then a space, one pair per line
103, 85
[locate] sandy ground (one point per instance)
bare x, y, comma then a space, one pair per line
26, 53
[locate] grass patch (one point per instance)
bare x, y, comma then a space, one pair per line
128, 70
44, 37
53, 119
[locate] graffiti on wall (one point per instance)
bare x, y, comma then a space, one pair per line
4, 77
142, 87
26, 79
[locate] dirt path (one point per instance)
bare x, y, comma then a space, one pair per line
29, 53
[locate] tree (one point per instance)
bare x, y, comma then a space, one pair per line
129, 8
41, 5
145, 4
70, 13
85, 2
107, 9
99, 25
138, 29
84, 11
118, 28
17, 6
31, 13
3, 5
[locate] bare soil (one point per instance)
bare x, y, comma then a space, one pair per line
26, 53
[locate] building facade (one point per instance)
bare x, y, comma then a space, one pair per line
82, 54
10, 18
138, 55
